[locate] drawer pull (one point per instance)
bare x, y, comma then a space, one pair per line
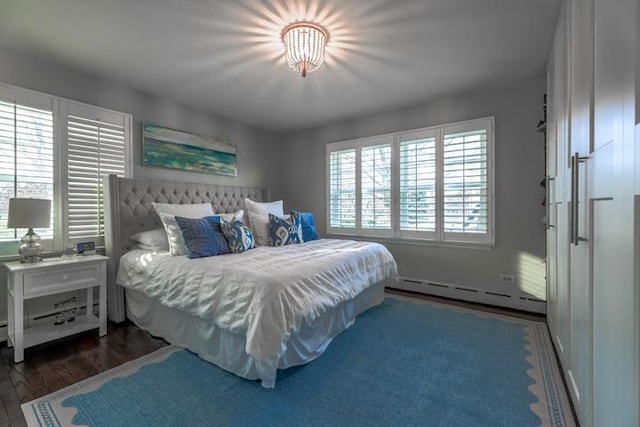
65, 277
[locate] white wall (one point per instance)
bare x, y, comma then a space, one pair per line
519, 168
255, 147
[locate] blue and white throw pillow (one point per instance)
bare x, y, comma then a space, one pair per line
238, 236
308, 225
284, 231
202, 236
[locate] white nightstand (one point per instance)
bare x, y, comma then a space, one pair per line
48, 277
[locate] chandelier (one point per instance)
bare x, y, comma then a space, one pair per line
304, 44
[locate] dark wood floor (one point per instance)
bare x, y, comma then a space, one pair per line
52, 366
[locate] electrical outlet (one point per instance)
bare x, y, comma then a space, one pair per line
508, 278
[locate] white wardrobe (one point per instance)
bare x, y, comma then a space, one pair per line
593, 239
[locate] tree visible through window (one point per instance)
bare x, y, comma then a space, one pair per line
428, 184
59, 150
26, 163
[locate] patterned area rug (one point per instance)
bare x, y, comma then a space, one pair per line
402, 363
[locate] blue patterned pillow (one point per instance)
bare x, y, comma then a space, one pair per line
284, 231
308, 225
202, 236
238, 236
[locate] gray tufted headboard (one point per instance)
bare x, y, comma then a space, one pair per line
128, 210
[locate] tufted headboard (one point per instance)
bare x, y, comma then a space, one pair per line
129, 210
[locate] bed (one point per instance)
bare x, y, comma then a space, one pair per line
251, 313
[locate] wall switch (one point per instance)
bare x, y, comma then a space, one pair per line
508, 278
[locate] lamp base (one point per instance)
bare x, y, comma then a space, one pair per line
31, 248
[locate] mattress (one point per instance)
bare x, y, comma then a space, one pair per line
264, 295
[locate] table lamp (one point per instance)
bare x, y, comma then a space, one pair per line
29, 213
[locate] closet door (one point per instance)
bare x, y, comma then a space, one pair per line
558, 307
580, 101
610, 179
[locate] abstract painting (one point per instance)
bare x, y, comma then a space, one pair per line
169, 148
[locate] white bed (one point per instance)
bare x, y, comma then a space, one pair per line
251, 313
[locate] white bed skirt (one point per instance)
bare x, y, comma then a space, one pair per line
227, 350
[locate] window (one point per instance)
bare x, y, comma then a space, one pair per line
58, 150
432, 184
26, 164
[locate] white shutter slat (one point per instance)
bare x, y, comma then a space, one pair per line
95, 148
342, 189
466, 182
26, 163
376, 187
418, 185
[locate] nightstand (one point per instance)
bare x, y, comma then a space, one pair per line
49, 277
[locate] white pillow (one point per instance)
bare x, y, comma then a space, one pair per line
233, 216
151, 248
156, 238
168, 212
258, 214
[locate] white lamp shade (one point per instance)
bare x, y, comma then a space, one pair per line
29, 213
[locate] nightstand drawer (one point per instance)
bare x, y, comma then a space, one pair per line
60, 279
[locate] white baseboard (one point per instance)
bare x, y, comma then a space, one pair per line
467, 293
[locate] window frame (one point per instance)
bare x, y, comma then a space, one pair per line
395, 234
60, 108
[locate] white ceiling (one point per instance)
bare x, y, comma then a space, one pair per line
226, 56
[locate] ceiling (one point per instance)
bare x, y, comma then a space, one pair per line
226, 56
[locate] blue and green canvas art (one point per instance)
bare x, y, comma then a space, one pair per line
169, 148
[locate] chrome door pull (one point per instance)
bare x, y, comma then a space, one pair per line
575, 190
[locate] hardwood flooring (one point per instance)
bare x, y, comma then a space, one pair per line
55, 365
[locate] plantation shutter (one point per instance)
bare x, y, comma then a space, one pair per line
432, 184
418, 190
27, 160
466, 183
375, 185
342, 189
97, 145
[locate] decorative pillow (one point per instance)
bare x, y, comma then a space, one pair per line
203, 236
238, 236
284, 231
156, 238
167, 213
308, 224
258, 214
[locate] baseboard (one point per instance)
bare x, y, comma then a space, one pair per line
467, 293
3, 331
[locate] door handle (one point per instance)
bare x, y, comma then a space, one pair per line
575, 193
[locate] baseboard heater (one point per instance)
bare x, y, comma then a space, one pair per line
470, 294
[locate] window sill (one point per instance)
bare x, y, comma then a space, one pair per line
415, 242
51, 254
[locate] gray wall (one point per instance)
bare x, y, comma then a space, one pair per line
297, 173
255, 147
519, 168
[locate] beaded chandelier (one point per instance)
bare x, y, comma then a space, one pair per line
304, 44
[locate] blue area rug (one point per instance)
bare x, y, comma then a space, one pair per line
402, 363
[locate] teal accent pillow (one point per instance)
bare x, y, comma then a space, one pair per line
239, 236
202, 236
284, 231
308, 225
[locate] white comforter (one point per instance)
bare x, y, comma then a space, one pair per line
263, 293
